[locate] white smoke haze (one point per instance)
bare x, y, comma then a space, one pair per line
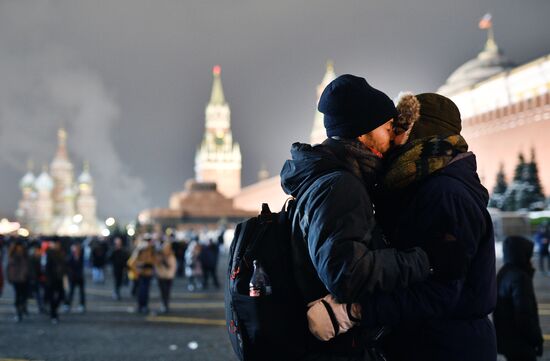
43, 89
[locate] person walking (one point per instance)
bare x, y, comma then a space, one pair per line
516, 318
542, 240
193, 269
142, 263
75, 273
99, 258
165, 269
118, 259
18, 273
54, 271
1, 264
37, 277
209, 262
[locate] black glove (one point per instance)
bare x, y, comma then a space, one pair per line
448, 258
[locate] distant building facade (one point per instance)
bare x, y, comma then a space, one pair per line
505, 110
207, 200
54, 203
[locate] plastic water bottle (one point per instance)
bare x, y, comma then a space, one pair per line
259, 282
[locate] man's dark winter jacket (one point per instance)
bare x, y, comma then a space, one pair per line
516, 317
75, 268
118, 258
440, 320
334, 230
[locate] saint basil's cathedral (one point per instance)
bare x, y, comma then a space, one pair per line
53, 203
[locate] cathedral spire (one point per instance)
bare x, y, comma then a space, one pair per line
62, 143
217, 97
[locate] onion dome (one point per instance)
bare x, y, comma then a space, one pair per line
85, 177
27, 181
44, 182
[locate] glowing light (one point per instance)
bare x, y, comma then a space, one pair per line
77, 218
216, 70
73, 229
105, 233
143, 218
131, 232
7, 227
23, 232
109, 222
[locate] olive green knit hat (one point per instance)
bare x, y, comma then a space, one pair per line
439, 116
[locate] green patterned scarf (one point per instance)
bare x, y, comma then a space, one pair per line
417, 159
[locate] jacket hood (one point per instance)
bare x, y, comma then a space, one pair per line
308, 163
518, 251
464, 168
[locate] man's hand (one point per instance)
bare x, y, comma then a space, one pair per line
328, 318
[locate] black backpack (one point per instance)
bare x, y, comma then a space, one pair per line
269, 327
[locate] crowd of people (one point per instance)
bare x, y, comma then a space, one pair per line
51, 270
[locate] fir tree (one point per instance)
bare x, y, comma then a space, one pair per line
520, 168
535, 196
525, 191
497, 198
515, 196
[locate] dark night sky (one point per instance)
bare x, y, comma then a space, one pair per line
130, 79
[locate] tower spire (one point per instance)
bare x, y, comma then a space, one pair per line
486, 23
62, 143
218, 158
217, 97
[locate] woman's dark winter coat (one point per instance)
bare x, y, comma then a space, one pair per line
334, 232
437, 319
18, 268
516, 316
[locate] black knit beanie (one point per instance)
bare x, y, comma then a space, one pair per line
439, 116
352, 107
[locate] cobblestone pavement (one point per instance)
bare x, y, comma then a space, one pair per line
111, 330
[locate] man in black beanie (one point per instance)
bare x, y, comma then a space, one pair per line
337, 252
